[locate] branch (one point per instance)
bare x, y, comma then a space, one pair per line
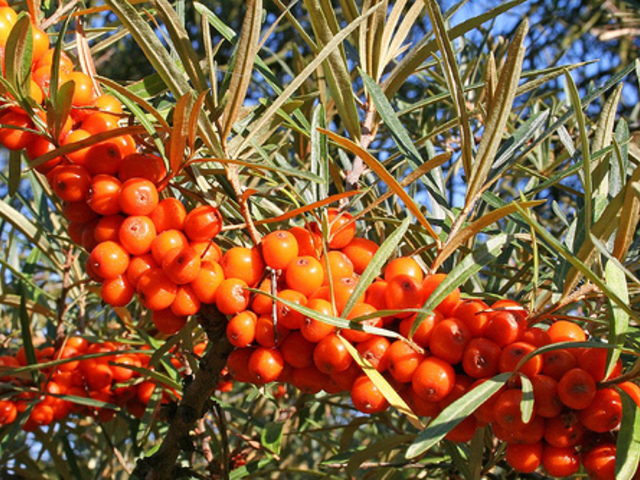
162, 464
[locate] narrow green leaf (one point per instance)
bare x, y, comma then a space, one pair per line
454, 82
319, 157
384, 445
472, 264
455, 413
602, 138
619, 319
25, 331
526, 407
15, 170
629, 218
223, 29
271, 436
628, 444
18, 52
498, 115
375, 265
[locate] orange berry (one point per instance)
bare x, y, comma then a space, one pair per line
449, 340
512, 354
360, 251
288, 316
71, 183
103, 195
403, 266
336, 263
78, 212
78, 156
545, 394
268, 334
8, 412
564, 430
83, 92
138, 197
265, 364
243, 263
168, 322
206, 283
262, 304
316, 330
309, 243
330, 355
138, 265
117, 291
40, 43
108, 228
203, 223
181, 264
558, 362
108, 103
168, 215
165, 241
503, 328
297, 351
481, 358
560, 462
109, 259
147, 166
279, 249
136, 234
232, 296
15, 138
473, 314
241, 329
156, 290
524, 458
361, 310
604, 412
508, 410
402, 361
342, 228
102, 158
99, 122
343, 289
366, 397
403, 292
577, 389
594, 361
374, 351
422, 335
600, 461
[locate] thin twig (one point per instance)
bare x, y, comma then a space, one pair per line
58, 14
578, 295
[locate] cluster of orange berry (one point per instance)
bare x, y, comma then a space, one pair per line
108, 375
137, 242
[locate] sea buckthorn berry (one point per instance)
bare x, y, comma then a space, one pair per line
104, 193
117, 291
169, 215
565, 331
342, 228
564, 430
108, 103
209, 251
309, 242
241, 329
508, 410
168, 322
138, 197
297, 350
142, 165
309, 379
403, 266
594, 361
138, 265
631, 389
524, 458
186, 302
207, 281
41, 415
536, 336
450, 302
232, 296
403, 292
338, 264
99, 122
361, 310
71, 183
360, 251
15, 138
545, 394
78, 212
304, 274
203, 223
560, 462
83, 91
422, 335
331, 355
532, 432
464, 431
181, 264
433, 379
449, 340
503, 328
8, 412
269, 335
480, 358
40, 43
109, 259
512, 354
343, 289
374, 351
316, 330
238, 364
266, 364
136, 233
125, 143
103, 158
66, 65
288, 316
262, 304
38, 147
600, 461
244, 263
165, 241
108, 228
402, 360
366, 397
604, 412
557, 362
120, 372
79, 156
156, 290
577, 389
279, 248
474, 315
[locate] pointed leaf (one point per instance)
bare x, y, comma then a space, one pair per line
628, 444
619, 319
